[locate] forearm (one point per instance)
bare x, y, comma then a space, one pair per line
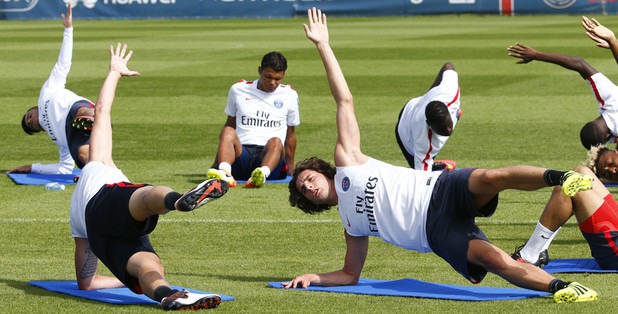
573, 63
59, 168
336, 79
290, 151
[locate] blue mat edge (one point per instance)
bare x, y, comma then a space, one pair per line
520, 293
42, 179
573, 265
286, 180
126, 298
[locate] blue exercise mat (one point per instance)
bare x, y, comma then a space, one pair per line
113, 296
415, 288
42, 179
286, 180
575, 265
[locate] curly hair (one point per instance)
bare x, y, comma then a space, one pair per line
297, 199
593, 157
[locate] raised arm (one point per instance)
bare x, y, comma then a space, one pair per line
347, 148
601, 35
528, 54
438, 80
101, 135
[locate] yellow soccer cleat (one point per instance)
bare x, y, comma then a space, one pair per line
575, 292
573, 182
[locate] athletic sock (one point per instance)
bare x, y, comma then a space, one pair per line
170, 200
225, 166
163, 291
539, 241
557, 284
552, 177
265, 171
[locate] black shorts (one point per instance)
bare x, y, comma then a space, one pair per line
114, 235
451, 222
251, 158
76, 138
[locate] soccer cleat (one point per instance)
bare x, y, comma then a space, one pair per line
447, 165
542, 261
213, 173
83, 123
203, 193
573, 182
257, 179
185, 300
575, 292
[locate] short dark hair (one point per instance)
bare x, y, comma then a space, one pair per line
297, 199
593, 134
438, 117
25, 127
274, 60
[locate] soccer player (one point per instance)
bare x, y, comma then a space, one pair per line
111, 218
426, 123
596, 212
64, 115
258, 140
416, 210
603, 129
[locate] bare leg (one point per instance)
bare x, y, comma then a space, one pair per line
496, 261
229, 147
148, 269
484, 184
148, 201
273, 153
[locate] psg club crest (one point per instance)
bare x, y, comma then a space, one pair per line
345, 184
278, 103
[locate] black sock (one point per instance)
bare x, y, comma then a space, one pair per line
163, 291
557, 284
170, 199
553, 177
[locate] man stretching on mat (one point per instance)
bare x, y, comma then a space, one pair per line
596, 212
65, 116
111, 217
417, 210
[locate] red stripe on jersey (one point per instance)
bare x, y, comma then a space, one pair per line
454, 99
595, 90
506, 7
425, 165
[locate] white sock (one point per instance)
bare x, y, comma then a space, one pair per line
540, 240
266, 171
225, 166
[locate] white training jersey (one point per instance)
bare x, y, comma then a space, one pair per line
606, 94
417, 138
54, 105
261, 115
386, 201
93, 176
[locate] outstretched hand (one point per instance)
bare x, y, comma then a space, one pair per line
119, 59
525, 53
600, 34
67, 19
317, 30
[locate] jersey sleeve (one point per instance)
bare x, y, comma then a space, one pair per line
293, 118
230, 107
64, 166
60, 72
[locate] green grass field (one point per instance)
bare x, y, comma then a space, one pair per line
167, 121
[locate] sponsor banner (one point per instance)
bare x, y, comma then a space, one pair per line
214, 9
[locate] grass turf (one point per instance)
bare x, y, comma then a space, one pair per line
167, 121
